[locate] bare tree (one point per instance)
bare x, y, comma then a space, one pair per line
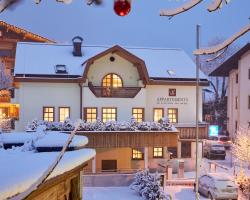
5, 79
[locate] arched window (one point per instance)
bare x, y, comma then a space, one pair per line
112, 81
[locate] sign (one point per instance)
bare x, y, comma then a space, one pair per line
172, 100
172, 92
213, 130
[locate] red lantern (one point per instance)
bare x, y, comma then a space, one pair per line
122, 7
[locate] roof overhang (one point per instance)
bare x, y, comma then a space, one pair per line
138, 63
231, 63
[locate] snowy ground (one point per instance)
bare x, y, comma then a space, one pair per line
109, 193
182, 193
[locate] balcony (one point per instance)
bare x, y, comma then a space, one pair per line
121, 92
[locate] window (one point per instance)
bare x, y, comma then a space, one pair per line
236, 103
249, 102
112, 81
248, 73
109, 114
186, 149
158, 114
173, 115
90, 114
158, 152
137, 154
64, 112
138, 114
237, 78
61, 69
49, 114
236, 125
173, 152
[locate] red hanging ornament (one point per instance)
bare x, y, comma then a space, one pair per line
122, 7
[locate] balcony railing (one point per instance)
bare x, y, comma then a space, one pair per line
121, 92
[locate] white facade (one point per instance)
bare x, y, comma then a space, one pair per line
42, 88
239, 115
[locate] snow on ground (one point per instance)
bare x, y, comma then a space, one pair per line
182, 193
110, 193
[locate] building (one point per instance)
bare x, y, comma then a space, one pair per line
237, 69
9, 36
112, 83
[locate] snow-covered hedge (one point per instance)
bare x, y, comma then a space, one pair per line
148, 186
98, 125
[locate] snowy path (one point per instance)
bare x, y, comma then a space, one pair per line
109, 193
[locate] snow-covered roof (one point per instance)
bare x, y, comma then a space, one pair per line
41, 59
21, 169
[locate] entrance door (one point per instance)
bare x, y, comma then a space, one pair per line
109, 165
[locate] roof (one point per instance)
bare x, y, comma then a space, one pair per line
41, 58
27, 34
231, 63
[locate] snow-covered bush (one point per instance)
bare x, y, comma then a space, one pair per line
98, 125
148, 186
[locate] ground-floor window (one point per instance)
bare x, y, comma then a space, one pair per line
137, 154
49, 114
173, 152
90, 114
173, 115
186, 149
109, 165
158, 114
109, 114
64, 112
138, 114
158, 152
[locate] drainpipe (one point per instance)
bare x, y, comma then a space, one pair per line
80, 87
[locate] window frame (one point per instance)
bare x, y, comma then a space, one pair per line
143, 112
85, 113
59, 112
111, 80
177, 116
138, 152
154, 109
111, 113
44, 107
157, 156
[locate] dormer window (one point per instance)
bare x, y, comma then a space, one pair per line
61, 69
112, 81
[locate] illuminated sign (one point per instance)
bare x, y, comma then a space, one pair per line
213, 130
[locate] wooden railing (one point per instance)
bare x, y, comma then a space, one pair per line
121, 92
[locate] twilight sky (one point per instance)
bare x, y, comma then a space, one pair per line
142, 27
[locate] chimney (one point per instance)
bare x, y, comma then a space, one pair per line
77, 44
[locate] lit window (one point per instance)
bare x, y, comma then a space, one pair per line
158, 114
138, 114
173, 115
90, 114
48, 114
64, 112
112, 81
137, 154
109, 114
158, 152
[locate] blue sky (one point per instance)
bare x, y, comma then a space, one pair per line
142, 27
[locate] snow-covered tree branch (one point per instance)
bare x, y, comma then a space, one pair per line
215, 5
223, 45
